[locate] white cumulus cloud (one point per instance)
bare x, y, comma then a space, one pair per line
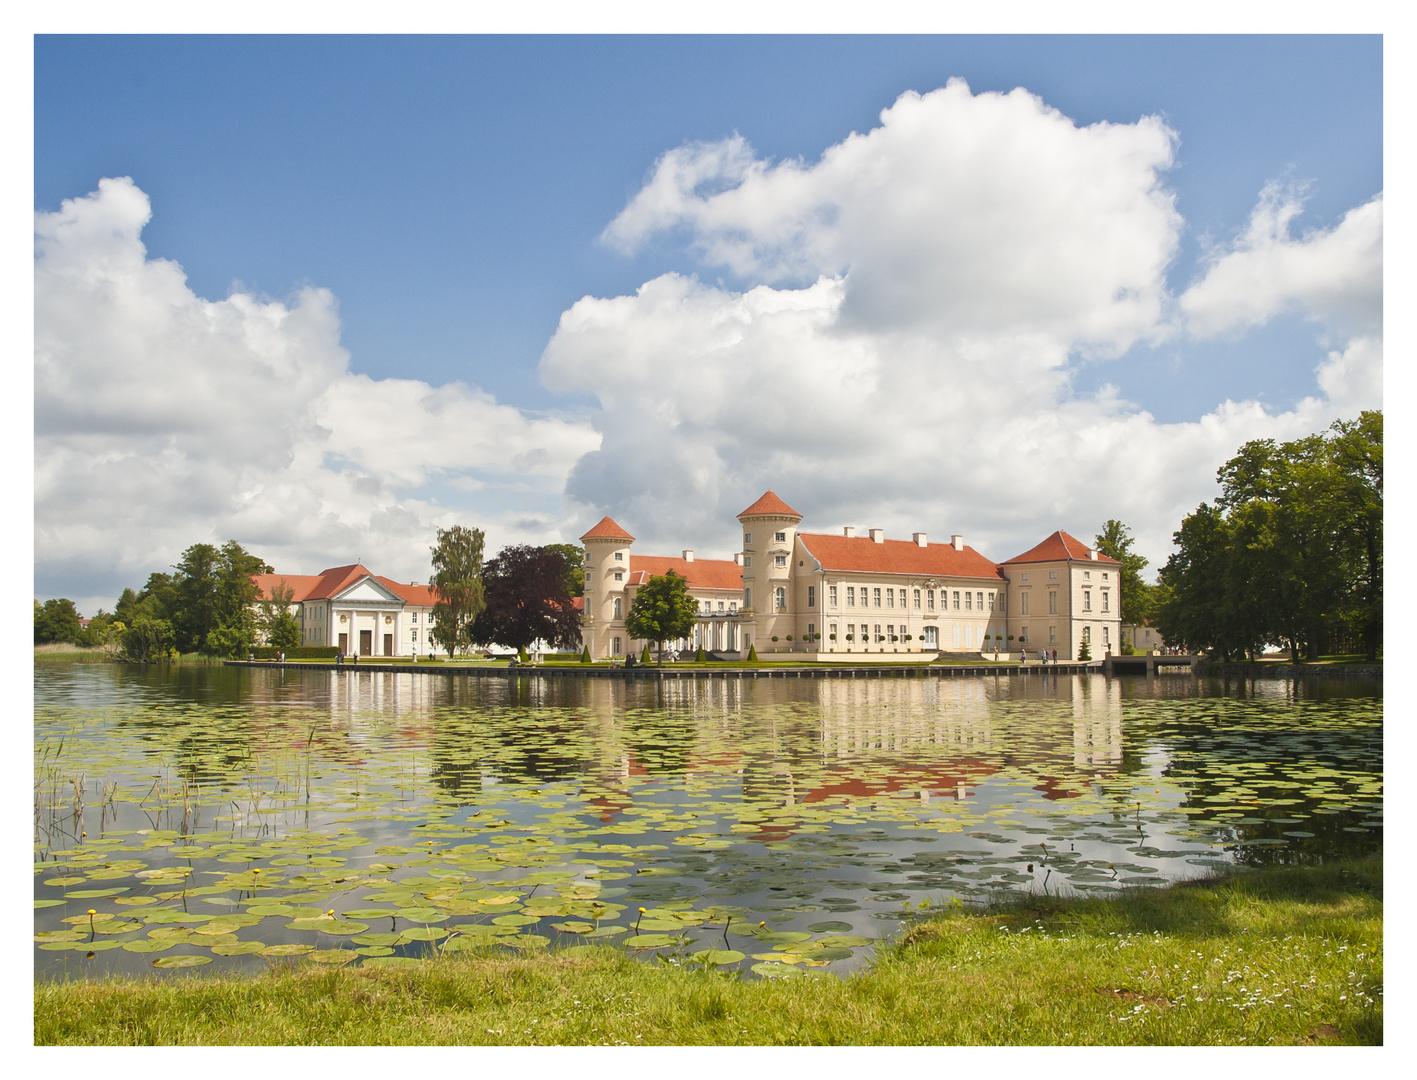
900, 354
163, 419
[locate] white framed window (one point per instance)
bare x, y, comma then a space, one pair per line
811, 596
917, 599
779, 560
850, 631
747, 598
1052, 574
1087, 635
1087, 599
413, 616
1052, 635
780, 538
1105, 576
1107, 635
619, 556
876, 596
614, 646
1025, 577
851, 596
956, 601
720, 605
991, 601
619, 575
1023, 603
1052, 601
831, 634
747, 538
1105, 598
747, 562
890, 598
979, 599
617, 610
781, 599
877, 634
1087, 575
733, 606
930, 599
413, 636
968, 598
1003, 602
831, 597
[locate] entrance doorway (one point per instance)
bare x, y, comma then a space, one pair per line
366, 642
388, 644
344, 644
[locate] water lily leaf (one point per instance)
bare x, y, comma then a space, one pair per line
61, 935
573, 927
286, 950
774, 969
650, 941
845, 941
779, 937
490, 901
135, 901
717, 956
331, 956
62, 881
514, 920
422, 933
116, 926
148, 945
422, 914
463, 943
48, 903
182, 961
375, 950
240, 948
527, 941
367, 913
375, 939
830, 927
88, 894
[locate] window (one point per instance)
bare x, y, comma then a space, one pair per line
917, 599
615, 646
1105, 577
1087, 575
1052, 601
413, 636
747, 598
930, 599
747, 562
413, 616
811, 631
1052, 574
1023, 634
617, 608
779, 560
1025, 577
747, 539
1052, 635
890, 632
780, 538
733, 606
707, 606
1105, 597
781, 599
879, 638
979, 599
991, 601
1087, 599
876, 595
811, 596
850, 596
832, 632
619, 575
1003, 601
968, 605
956, 599
890, 598
1087, 635
831, 595
1106, 635
1023, 603
619, 556
720, 605
850, 631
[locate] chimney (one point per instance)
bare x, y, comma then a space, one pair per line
957, 542
848, 530
688, 555
738, 558
878, 535
919, 539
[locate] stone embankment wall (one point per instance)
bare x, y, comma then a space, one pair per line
1291, 671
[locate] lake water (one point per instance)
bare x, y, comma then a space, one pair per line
227, 818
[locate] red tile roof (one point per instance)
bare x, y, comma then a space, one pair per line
1058, 547
770, 506
578, 602
334, 581
701, 573
606, 529
861, 554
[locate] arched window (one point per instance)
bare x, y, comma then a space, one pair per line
617, 607
781, 599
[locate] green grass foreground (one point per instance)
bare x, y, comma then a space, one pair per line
1288, 956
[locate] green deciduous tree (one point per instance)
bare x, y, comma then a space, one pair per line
1115, 541
574, 557
662, 611
281, 627
55, 620
457, 584
148, 640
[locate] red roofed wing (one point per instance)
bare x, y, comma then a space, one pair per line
861, 554
1058, 547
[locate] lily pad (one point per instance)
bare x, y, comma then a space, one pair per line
717, 956
89, 894
830, 927
573, 927
183, 961
239, 948
374, 950
48, 903
422, 933
287, 950
650, 941
148, 945
331, 956
845, 941
775, 969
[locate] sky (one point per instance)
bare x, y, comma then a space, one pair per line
327, 295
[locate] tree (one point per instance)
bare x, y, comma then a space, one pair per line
282, 629
1115, 541
148, 640
575, 566
193, 606
55, 620
457, 584
662, 611
527, 600
236, 599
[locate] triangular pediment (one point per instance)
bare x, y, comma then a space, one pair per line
367, 590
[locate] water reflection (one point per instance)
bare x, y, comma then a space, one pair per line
778, 799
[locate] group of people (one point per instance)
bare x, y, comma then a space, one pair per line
1044, 657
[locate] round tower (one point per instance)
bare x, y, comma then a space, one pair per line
769, 546
607, 573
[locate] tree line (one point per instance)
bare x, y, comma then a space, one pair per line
1291, 552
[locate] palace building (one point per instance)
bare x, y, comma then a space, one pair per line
357, 611
790, 594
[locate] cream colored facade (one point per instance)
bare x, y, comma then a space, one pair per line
358, 612
852, 598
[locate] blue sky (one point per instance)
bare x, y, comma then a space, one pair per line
450, 193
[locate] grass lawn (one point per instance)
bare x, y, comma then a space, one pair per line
1289, 956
